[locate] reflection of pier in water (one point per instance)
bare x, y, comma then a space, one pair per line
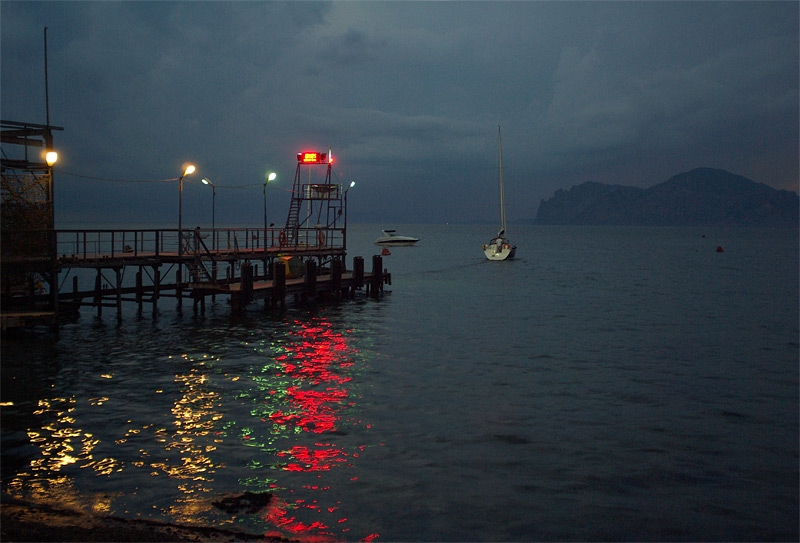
308, 401
271, 414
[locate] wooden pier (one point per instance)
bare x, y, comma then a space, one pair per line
239, 263
46, 272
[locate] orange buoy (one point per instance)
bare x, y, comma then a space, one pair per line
385, 251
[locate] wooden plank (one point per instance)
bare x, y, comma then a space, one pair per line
20, 140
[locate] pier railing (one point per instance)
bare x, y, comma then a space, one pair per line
94, 243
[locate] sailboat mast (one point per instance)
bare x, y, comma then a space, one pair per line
502, 195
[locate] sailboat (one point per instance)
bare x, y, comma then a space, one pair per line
500, 248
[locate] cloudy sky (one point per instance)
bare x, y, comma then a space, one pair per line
408, 95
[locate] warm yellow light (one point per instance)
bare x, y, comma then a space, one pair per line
189, 169
51, 157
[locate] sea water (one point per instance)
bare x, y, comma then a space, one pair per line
607, 384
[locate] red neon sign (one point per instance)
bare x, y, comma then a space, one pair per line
313, 157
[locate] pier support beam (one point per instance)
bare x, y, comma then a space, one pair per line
358, 272
118, 274
279, 283
311, 279
376, 281
247, 283
336, 278
98, 294
139, 289
156, 286
179, 287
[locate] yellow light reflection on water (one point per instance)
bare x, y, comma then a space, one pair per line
297, 389
61, 444
195, 415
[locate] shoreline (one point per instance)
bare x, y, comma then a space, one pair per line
22, 521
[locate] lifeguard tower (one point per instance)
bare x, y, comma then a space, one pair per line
318, 211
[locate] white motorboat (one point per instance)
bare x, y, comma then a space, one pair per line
499, 247
390, 238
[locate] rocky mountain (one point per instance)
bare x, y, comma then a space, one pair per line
701, 197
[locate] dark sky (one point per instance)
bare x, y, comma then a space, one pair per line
407, 94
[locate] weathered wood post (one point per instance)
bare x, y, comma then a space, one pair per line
213, 277
376, 280
279, 283
156, 286
117, 272
336, 277
247, 283
98, 295
76, 298
179, 287
311, 278
358, 272
139, 289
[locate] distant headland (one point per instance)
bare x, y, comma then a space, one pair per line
700, 197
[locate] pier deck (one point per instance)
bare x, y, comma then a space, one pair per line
205, 263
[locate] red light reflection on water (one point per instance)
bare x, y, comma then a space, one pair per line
318, 357
317, 411
314, 459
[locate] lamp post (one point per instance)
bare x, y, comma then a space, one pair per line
51, 157
270, 177
213, 208
352, 184
189, 170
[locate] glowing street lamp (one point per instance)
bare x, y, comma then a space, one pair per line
270, 177
51, 158
213, 207
187, 171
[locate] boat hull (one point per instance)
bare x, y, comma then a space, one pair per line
505, 251
396, 243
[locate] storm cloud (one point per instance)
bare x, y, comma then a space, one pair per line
408, 95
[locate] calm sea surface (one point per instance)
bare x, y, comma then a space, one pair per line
608, 384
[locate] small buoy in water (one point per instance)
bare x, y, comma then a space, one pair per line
385, 251
720, 249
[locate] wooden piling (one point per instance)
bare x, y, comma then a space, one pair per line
247, 283
118, 274
336, 277
98, 295
279, 283
156, 286
358, 272
311, 278
376, 282
139, 289
179, 287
